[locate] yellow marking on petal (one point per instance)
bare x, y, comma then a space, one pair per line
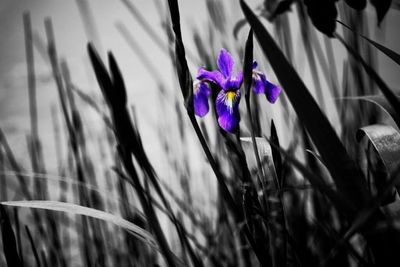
229, 98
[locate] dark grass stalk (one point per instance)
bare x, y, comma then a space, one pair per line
3, 180
9, 243
18, 235
73, 139
388, 52
248, 62
187, 91
148, 208
34, 145
31, 74
32, 243
156, 204
129, 141
339, 163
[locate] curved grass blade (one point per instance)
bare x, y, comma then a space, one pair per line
381, 102
390, 96
388, 52
131, 228
386, 141
343, 169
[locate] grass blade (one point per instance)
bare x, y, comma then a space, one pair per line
388, 52
390, 96
381, 102
9, 242
344, 171
35, 253
133, 229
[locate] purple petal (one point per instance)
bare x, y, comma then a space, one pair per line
254, 64
225, 63
272, 91
200, 99
227, 105
259, 83
234, 84
211, 76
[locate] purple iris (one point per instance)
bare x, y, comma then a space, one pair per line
227, 102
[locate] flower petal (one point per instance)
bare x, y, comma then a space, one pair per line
227, 105
272, 91
255, 64
259, 82
200, 99
215, 76
234, 84
225, 63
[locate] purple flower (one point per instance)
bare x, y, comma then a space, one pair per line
262, 86
227, 102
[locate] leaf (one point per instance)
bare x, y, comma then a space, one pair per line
248, 65
381, 7
35, 253
185, 79
386, 141
381, 102
343, 169
388, 52
238, 26
390, 96
323, 15
357, 4
9, 242
276, 155
101, 72
131, 228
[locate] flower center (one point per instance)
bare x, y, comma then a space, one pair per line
229, 99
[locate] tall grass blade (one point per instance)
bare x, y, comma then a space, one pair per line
32, 243
9, 242
71, 208
388, 52
343, 169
